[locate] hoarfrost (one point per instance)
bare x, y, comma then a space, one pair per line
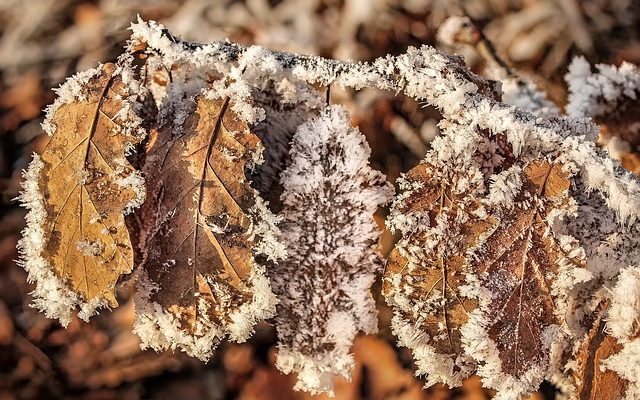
623, 320
594, 94
330, 195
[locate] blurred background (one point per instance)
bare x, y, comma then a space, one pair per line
44, 41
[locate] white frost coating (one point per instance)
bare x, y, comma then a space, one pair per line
316, 373
595, 94
261, 307
71, 90
623, 319
626, 363
161, 330
266, 228
240, 94
436, 367
51, 295
330, 195
505, 186
608, 93
526, 96
133, 180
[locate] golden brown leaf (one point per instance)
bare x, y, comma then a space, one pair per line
87, 187
199, 249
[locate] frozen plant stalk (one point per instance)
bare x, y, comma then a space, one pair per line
330, 195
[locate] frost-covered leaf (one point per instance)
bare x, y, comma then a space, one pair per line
512, 333
607, 361
324, 284
200, 281
76, 245
441, 218
623, 326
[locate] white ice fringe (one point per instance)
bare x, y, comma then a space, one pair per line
623, 320
51, 295
161, 330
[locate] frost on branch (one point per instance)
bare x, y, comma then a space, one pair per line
330, 195
199, 280
611, 96
76, 245
460, 31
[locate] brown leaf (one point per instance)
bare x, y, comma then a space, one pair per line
518, 263
592, 381
432, 281
199, 249
85, 180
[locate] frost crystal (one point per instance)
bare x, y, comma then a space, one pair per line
623, 321
611, 96
51, 295
595, 94
330, 195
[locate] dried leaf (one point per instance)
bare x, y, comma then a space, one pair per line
86, 186
517, 265
198, 256
425, 271
593, 381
